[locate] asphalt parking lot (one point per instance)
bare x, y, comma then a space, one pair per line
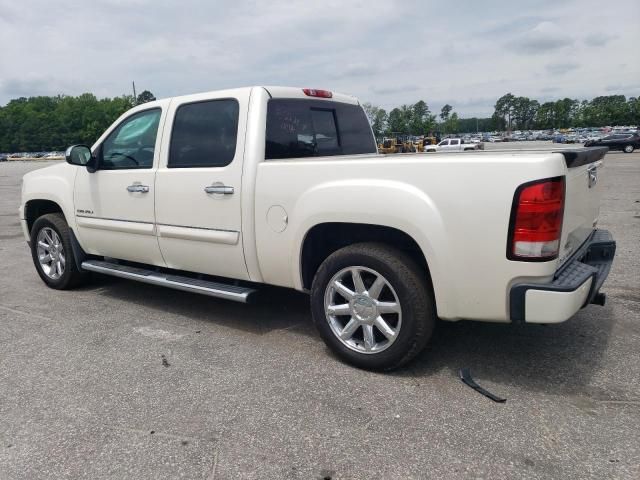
124, 380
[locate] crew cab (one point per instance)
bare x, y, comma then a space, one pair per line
221, 192
454, 145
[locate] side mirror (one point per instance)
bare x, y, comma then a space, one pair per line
81, 155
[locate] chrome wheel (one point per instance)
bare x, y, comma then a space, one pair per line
363, 310
50, 253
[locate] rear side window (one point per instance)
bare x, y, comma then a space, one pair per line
315, 128
204, 134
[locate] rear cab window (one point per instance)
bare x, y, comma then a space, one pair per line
315, 128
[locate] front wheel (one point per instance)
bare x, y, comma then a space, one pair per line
373, 306
629, 149
52, 254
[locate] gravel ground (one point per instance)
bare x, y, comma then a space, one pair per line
124, 380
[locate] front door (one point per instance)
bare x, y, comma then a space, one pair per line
115, 205
198, 184
443, 145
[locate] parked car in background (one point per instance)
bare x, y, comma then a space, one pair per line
3, 157
626, 142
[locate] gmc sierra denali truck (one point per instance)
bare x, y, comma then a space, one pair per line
217, 193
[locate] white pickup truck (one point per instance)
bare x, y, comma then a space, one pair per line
454, 145
217, 193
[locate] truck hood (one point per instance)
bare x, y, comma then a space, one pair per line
57, 169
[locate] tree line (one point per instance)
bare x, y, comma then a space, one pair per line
510, 112
524, 113
53, 123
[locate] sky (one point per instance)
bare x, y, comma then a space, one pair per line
465, 53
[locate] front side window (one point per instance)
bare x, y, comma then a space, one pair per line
132, 144
443, 143
204, 134
315, 128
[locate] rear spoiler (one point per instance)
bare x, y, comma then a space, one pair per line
576, 157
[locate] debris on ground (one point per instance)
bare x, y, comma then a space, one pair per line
465, 376
165, 362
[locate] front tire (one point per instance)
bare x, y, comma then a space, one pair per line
52, 253
629, 149
373, 306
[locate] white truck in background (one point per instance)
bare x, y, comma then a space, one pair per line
220, 192
454, 145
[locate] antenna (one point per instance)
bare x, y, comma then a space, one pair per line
135, 97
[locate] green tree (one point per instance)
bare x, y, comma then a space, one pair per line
395, 122
53, 123
144, 97
545, 116
422, 120
634, 110
524, 111
452, 123
504, 108
445, 112
377, 118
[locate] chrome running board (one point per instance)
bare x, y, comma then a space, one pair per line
187, 284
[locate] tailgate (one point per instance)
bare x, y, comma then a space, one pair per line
583, 196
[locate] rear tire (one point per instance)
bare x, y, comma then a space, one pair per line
52, 253
629, 149
381, 321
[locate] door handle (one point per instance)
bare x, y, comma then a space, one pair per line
137, 188
219, 188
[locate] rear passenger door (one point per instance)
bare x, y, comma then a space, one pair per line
198, 184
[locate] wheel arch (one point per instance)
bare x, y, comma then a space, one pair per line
37, 207
315, 249
323, 239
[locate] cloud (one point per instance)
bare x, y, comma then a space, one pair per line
392, 89
453, 55
359, 69
598, 39
26, 87
561, 67
544, 37
629, 88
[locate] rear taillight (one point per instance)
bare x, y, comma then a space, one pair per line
312, 92
536, 220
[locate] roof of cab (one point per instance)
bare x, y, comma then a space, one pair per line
273, 91
297, 92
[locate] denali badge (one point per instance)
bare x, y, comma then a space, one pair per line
85, 212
